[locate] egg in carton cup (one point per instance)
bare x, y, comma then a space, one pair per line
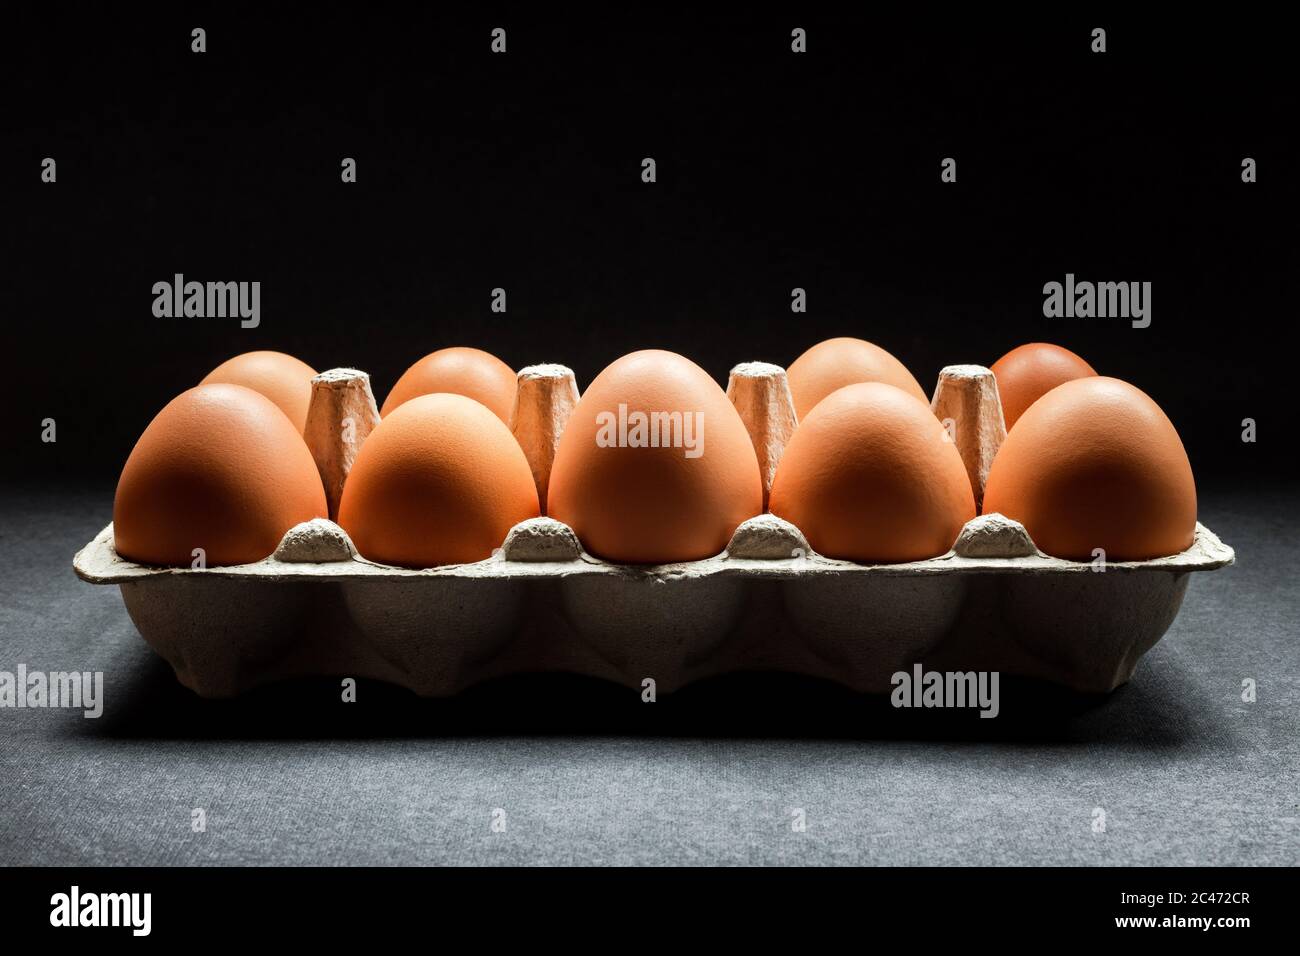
993, 602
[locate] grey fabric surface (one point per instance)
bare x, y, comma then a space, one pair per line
1185, 771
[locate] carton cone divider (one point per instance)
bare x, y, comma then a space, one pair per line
341, 414
966, 403
544, 401
762, 396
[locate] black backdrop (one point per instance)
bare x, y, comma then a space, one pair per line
522, 171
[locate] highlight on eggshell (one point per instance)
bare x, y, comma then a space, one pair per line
1028, 372
871, 475
461, 371
217, 478
441, 480
655, 465
282, 378
835, 363
1095, 468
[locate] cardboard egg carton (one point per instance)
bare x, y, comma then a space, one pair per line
540, 603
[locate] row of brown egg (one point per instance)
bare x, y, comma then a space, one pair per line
655, 464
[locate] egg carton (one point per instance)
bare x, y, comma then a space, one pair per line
315, 607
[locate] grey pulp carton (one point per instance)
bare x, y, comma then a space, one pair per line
994, 602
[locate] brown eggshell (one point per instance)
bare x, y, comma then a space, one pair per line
281, 378
439, 481
461, 371
1027, 373
870, 475
1095, 463
655, 505
829, 366
219, 468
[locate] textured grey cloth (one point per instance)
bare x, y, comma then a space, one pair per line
1184, 770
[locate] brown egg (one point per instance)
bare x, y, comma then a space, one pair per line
220, 468
655, 465
1095, 463
870, 475
439, 481
281, 378
1026, 374
462, 371
830, 365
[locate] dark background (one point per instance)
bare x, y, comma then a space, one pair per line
522, 171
